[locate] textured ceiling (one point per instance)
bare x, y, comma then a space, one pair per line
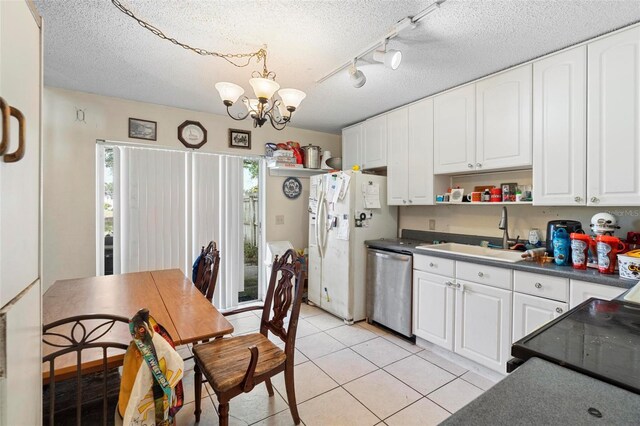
91, 46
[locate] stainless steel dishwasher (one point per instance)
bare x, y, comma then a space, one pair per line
389, 289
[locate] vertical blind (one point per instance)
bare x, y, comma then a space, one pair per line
168, 204
152, 209
217, 200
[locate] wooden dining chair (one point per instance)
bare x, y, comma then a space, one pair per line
73, 336
235, 365
207, 273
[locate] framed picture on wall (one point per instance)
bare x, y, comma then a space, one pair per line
239, 138
143, 129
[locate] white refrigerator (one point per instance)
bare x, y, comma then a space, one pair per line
345, 210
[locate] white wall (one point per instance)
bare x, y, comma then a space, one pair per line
483, 220
69, 147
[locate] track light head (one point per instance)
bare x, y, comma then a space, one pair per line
390, 58
358, 79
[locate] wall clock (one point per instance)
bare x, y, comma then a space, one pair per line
292, 188
192, 134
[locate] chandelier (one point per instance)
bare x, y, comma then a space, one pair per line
265, 106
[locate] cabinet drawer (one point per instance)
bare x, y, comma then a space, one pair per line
482, 274
434, 265
555, 288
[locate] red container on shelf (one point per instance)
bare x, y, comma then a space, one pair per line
496, 195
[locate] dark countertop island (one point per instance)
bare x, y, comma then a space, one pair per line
542, 393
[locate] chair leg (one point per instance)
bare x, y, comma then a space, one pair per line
291, 392
267, 382
198, 391
223, 413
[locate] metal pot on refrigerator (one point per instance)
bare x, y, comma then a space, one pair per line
311, 156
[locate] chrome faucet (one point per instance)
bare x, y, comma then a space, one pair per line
504, 225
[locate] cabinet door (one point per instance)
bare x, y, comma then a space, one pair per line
454, 131
433, 304
483, 324
559, 128
420, 169
20, 181
531, 313
374, 142
503, 106
579, 291
613, 120
351, 147
398, 161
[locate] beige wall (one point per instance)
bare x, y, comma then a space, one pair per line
69, 234
483, 220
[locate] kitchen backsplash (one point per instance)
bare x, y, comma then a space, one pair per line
483, 219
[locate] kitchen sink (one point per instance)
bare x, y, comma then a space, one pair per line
478, 252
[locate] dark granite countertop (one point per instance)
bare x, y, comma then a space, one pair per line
542, 393
408, 245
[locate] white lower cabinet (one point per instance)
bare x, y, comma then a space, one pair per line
433, 299
483, 324
583, 290
531, 313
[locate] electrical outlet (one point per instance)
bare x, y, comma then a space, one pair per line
279, 219
432, 224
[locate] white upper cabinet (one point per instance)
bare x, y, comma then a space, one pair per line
398, 157
351, 146
613, 117
421, 153
503, 127
454, 130
374, 142
559, 128
20, 181
410, 155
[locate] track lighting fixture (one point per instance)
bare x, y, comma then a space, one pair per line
389, 57
358, 79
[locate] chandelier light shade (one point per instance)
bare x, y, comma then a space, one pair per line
263, 87
291, 98
229, 92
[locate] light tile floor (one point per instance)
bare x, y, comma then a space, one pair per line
347, 375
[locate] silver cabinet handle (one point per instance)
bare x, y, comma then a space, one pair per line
559, 310
449, 284
432, 264
578, 199
480, 274
410, 201
478, 165
470, 166
595, 200
404, 201
538, 285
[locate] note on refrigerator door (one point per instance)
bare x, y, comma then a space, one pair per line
343, 228
335, 186
371, 195
345, 185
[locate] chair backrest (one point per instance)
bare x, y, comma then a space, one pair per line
207, 275
281, 297
76, 335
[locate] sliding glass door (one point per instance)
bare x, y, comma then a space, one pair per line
158, 207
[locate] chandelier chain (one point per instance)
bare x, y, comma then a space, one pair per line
260, 55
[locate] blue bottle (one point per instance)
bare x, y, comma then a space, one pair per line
561, 247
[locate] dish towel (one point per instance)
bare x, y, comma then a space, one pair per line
151, 386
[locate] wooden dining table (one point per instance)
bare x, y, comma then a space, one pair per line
171, 298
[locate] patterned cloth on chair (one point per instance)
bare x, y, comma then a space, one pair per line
151, 390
